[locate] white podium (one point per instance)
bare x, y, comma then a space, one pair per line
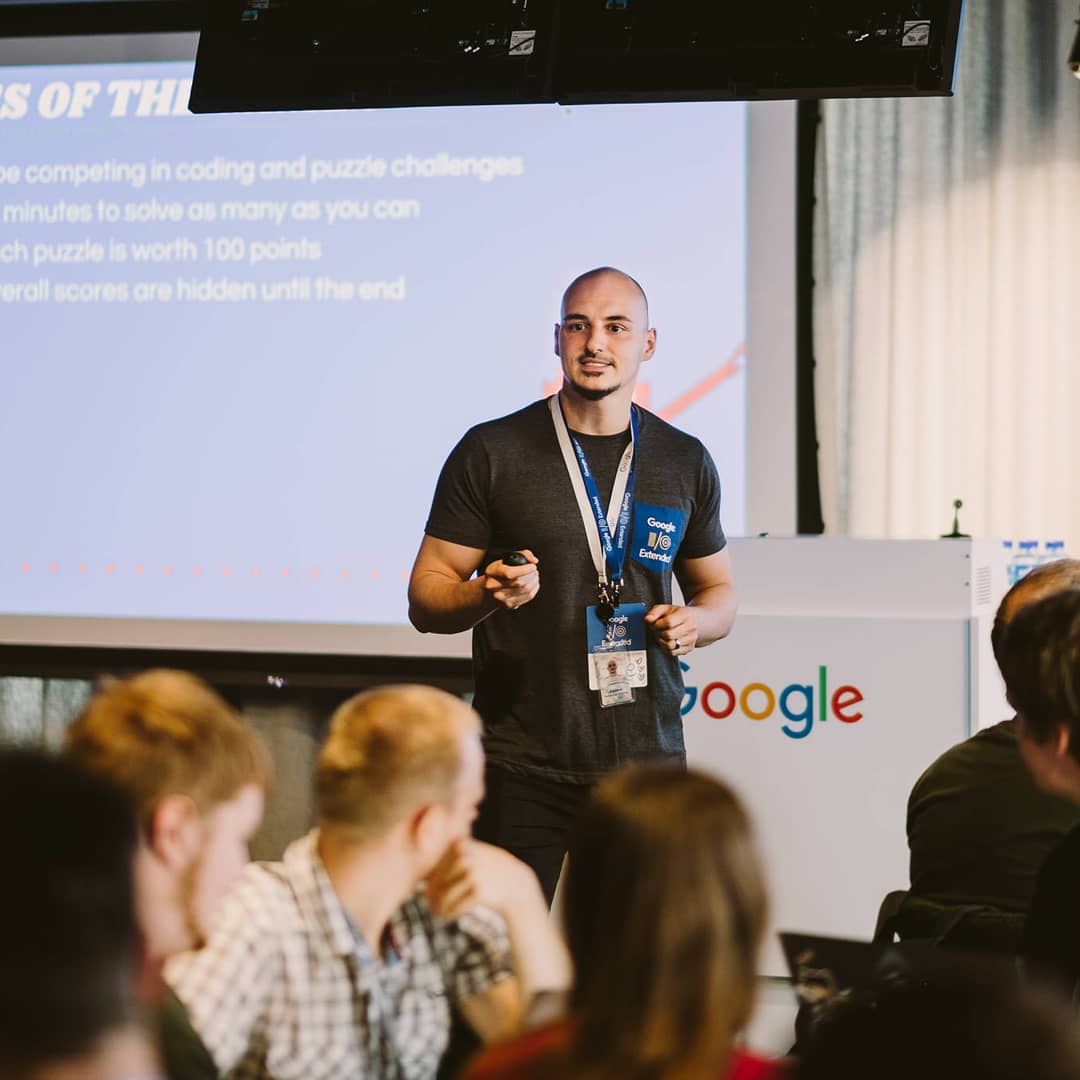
852, 665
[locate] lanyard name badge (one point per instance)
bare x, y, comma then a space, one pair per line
615, 632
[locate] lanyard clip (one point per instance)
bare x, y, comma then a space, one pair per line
605, 602
608, 593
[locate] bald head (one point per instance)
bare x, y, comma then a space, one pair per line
1043, 581
602, 272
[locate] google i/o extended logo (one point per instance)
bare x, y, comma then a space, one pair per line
800, 704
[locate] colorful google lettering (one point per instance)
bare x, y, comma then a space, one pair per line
758, 701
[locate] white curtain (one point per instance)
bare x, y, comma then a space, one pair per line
947, 306
36, 712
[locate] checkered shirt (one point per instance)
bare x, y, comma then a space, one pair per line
287, 987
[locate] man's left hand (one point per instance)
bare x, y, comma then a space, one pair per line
674, 627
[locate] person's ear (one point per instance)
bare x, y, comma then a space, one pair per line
558, 345
174, 831
650, 345
427, 831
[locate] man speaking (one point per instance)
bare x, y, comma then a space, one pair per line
553, 533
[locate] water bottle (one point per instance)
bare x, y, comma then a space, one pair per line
1007, 546
1052, 551
1025, 560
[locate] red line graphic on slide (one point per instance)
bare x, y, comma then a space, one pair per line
729, 368
198, 571
705, 386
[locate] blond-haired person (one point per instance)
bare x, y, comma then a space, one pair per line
196, 773
345, 958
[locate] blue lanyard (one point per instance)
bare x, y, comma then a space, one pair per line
614, 548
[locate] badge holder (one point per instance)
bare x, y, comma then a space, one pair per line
618, 661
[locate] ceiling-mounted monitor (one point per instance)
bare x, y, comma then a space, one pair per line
285, 54
21, 19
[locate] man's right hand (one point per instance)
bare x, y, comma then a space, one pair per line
447, 595
512, 586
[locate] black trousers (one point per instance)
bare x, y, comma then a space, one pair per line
530, 817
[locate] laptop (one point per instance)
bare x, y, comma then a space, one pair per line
827, 970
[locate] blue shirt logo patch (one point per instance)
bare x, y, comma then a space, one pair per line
658, 531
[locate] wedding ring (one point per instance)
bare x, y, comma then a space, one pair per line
678, 644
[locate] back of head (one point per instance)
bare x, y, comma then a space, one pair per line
665, 908
389, 752
70, 947
167, 733
968, 1026
1041, 665
1043, 581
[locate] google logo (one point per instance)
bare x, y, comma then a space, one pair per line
796, 702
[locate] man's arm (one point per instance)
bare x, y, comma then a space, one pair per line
445, 598
472, 875
709, 612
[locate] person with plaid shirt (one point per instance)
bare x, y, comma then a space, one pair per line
347, 958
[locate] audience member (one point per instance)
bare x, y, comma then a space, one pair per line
70, 942
342, 960
665, 908
967, 1027
196, 773
978, 826
1042, 674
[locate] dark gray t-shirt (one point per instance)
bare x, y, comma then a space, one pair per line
979, 827
504, 488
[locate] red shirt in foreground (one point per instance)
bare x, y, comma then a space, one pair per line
510, 1060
